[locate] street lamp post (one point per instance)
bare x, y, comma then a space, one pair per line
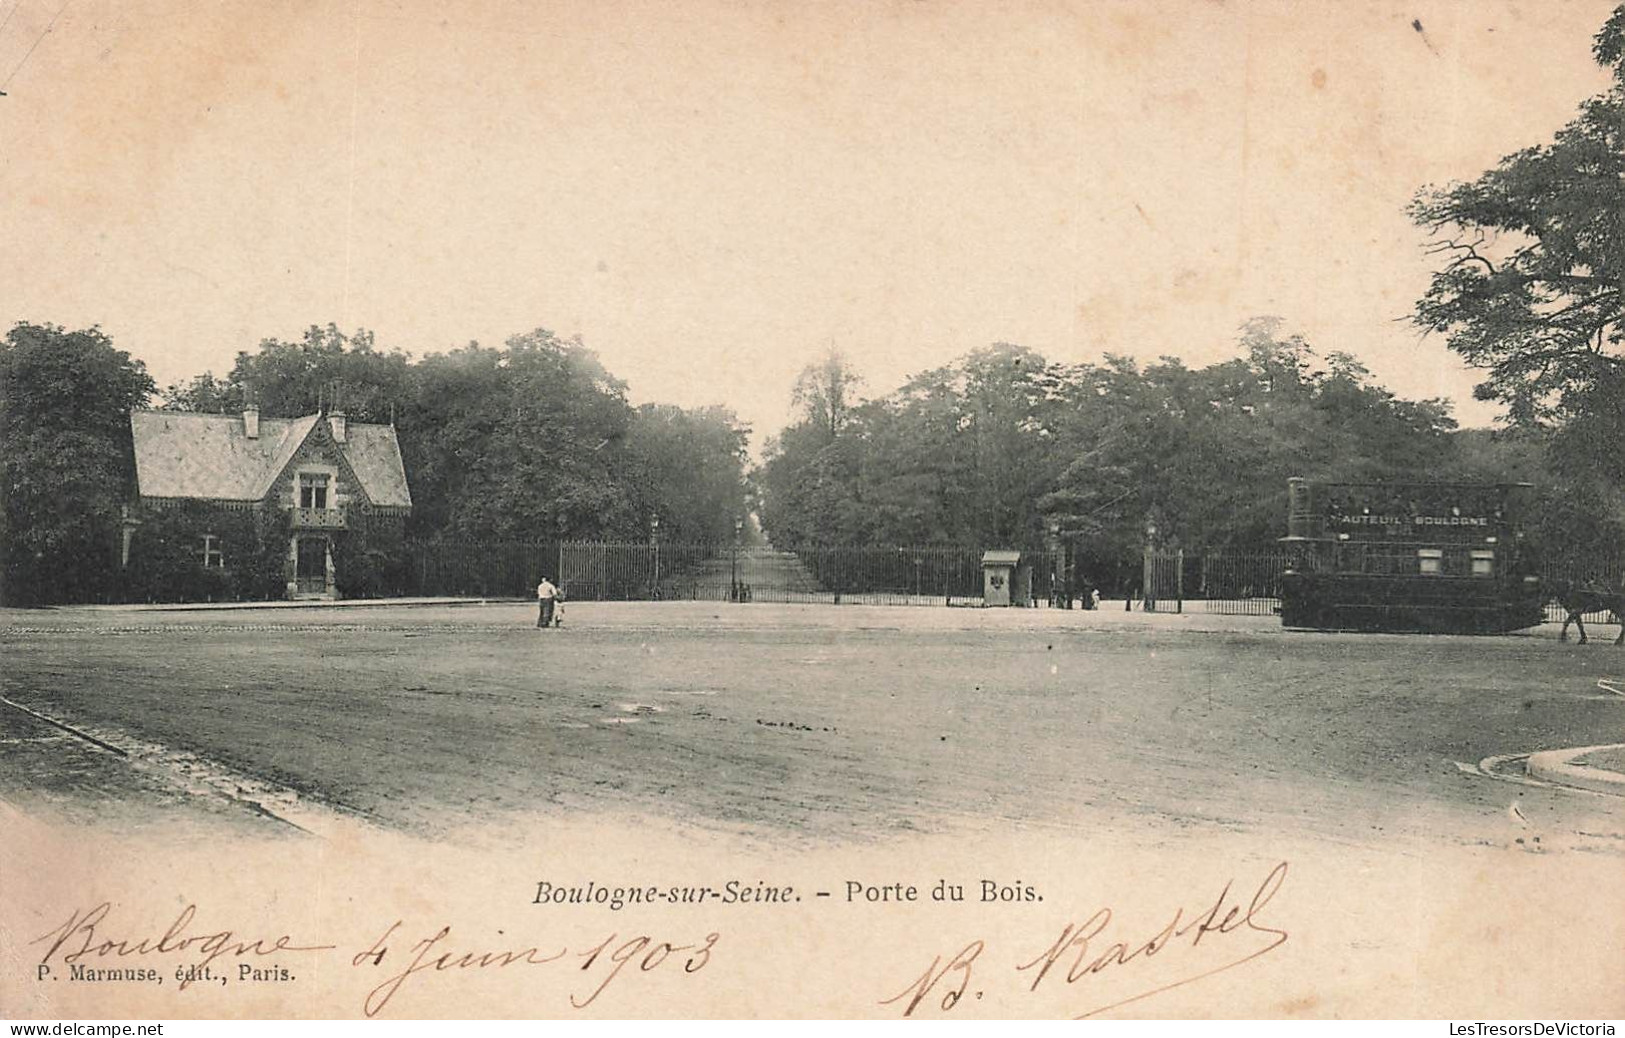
739, 529
1059, 598
1150, 574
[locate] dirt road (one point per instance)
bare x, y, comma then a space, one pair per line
820, 723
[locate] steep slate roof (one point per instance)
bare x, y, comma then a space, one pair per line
293, 435
183, 454
375, 454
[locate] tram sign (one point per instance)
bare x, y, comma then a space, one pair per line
1412, 520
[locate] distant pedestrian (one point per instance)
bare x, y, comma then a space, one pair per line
547, 596
1094, 598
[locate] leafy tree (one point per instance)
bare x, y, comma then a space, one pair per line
990, 422
826, 392
66, 461
523, 443
688, 467
958, 454
1532, 287
326, 367
808, 476
808, 486
205, 394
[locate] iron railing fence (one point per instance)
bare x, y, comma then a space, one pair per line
637, 571
871, 575
891, 575
1235, 583
508, 569
1232, 583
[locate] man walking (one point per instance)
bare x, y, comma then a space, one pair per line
546, 597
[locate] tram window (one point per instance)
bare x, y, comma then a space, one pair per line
1430, 561
1483, 563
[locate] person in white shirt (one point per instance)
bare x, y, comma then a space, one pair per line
546, 598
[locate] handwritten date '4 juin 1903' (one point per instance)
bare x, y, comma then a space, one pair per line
1194, 944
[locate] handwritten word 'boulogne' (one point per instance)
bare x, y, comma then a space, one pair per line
81, 938
1085, 950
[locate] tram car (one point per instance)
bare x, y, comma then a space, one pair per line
1440, 557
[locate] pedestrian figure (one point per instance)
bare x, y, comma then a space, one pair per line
546, 598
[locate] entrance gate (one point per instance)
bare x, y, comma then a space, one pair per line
1212, 582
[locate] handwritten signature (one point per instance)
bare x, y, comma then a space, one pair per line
1086, 950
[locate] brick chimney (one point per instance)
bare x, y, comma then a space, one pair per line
251, 420
336, 420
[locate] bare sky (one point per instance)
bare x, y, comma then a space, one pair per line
712, 194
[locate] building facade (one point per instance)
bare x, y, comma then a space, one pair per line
252, 507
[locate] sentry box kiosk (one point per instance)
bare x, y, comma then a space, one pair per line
1005, 581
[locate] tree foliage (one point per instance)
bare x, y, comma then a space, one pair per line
66, 462
1531, 289
825, 393
167, 566
1003, 447
689, 467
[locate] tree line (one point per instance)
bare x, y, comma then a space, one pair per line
1004, 447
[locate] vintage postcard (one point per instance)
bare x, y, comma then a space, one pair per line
936, 510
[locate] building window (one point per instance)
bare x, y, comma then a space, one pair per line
1430, 561
1483, 564
213, 553
313, 490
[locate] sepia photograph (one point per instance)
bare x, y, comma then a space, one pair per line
865, 510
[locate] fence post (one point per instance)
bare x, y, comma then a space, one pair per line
1148, 575
1179, 603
